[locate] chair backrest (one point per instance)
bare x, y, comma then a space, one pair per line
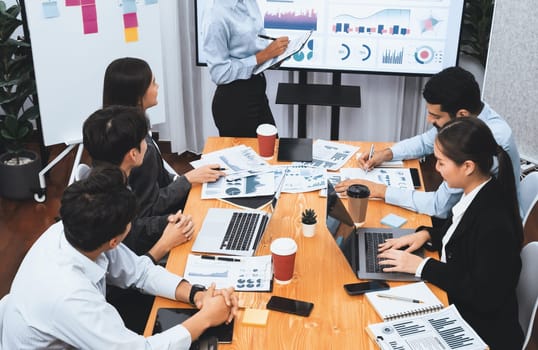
529, 194
82, 171
527, 288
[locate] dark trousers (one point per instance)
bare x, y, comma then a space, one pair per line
240, 106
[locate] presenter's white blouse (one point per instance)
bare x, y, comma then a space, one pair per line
57, 299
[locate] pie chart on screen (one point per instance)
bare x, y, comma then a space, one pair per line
424, 54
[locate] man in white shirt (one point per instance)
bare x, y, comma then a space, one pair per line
57, 299
451, 93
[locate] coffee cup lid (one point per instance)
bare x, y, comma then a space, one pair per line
283, 246
266, 129
358, 191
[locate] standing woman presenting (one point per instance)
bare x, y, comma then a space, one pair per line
233, 50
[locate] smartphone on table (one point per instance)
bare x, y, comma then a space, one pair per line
290, 306
365, 287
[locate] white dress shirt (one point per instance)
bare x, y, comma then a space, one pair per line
231, 39
440, 202
57, 299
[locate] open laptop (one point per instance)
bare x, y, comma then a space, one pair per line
234, 231
359, 245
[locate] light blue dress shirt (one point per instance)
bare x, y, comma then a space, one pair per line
231, 39
57, 299
440, 202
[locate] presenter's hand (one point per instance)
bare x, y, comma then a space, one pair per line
410, 242
276, 48
206, 173
378, 158
399, 261
376, 190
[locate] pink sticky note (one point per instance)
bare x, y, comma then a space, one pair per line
130, 20
87, 2
72, 2
90, 27
89, 13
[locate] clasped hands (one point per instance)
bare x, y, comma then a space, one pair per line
212, 300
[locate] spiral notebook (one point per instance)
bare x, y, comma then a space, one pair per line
409, 300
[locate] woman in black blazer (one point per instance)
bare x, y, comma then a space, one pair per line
479, 246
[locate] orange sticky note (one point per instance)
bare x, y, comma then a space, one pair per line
255, 317
131, 34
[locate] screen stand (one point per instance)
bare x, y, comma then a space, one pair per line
304, 94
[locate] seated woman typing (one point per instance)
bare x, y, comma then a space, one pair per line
479, 246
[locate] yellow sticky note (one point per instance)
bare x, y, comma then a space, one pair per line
255, 317
131, 34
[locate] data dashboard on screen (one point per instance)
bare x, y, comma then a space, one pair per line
384, 36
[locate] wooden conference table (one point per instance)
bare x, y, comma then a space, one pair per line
337, 320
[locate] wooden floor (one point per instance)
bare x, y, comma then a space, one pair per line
22, 222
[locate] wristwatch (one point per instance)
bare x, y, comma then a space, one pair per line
195, 288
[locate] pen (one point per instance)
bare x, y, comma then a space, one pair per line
371, 154
220, 169
395, 297
221, 258
266, 37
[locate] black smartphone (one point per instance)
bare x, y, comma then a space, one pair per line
290, 306
364, 287
415, 176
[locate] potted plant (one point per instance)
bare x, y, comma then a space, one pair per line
19, 168
309, 220
476, 27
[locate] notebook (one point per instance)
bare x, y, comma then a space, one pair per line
359, 246
233, 231
391, 309
444, 329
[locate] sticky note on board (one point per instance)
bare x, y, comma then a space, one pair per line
393, 220
255, 317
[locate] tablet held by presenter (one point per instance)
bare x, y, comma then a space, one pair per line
266, 140
357, 201
283, 251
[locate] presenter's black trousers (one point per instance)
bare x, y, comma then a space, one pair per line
240, 106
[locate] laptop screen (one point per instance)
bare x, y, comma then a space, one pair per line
340, 225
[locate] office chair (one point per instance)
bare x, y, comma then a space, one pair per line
527, 289
529, 194
82, 171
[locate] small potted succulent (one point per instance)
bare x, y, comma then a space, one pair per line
309, 220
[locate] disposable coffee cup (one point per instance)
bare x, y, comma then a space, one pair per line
358, 203
283, 251
266, 140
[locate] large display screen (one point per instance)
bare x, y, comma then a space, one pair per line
385, 36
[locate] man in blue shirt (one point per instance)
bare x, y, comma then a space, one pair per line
451, 93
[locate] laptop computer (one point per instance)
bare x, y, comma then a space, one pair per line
359, 245
234, 231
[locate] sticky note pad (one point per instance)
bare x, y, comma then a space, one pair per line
255, 317
393, 220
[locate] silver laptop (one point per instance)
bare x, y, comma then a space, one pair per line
234, 231
360, 245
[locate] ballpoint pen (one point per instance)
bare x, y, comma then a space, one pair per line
266, 37
395, 297
371, 154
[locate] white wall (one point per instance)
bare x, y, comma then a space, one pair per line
511, 79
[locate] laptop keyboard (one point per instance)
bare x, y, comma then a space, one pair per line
240, 231
373, 240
